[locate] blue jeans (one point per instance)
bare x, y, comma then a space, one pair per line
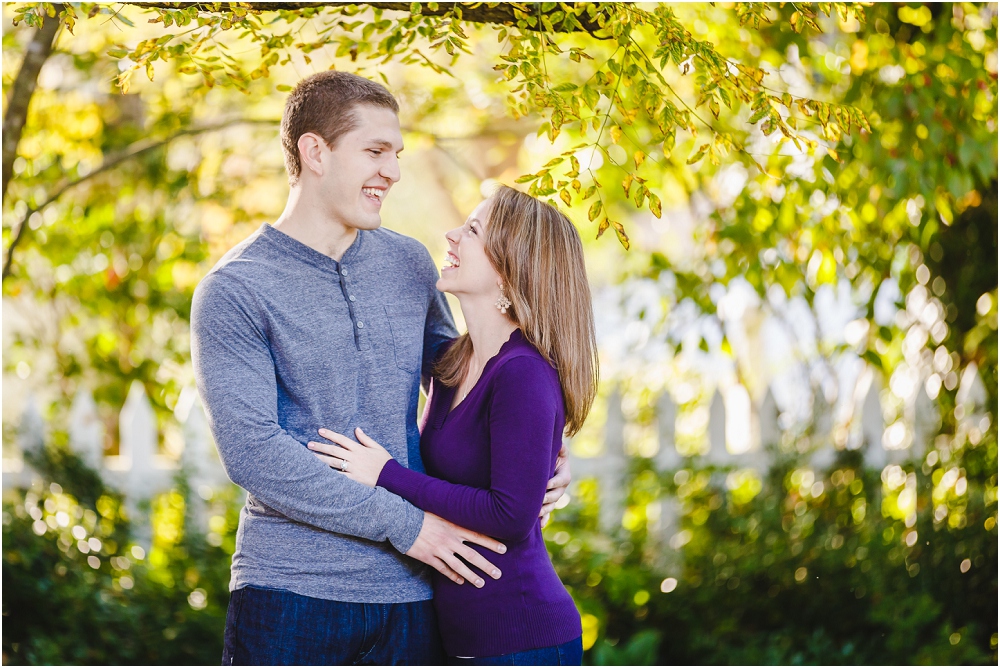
568, 654
277, 627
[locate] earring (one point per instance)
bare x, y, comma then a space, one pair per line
502, 302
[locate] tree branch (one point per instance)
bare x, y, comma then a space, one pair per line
21, 92
502, 13
133, 151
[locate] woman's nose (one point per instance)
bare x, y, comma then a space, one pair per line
453, 235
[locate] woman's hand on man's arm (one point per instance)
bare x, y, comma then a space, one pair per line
440, 544
360, 460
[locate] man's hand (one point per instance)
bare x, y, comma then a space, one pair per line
557, 485
440, 543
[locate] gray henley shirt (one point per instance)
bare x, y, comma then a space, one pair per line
286, 340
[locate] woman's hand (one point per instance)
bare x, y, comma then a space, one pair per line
556, 487
362, 461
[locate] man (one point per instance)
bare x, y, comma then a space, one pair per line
326, 320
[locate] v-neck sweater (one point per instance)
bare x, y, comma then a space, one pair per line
488, 461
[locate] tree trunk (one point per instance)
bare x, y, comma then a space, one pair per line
21, 92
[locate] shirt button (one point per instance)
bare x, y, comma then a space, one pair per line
343, 272
361, 325
352, 298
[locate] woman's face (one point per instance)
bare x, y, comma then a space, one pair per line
467, 270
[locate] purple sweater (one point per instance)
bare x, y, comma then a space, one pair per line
487, 464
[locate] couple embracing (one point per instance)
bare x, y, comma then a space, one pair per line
311, 341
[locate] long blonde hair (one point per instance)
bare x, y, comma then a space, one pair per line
538, 255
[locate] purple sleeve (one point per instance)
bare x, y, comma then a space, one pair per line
524, 408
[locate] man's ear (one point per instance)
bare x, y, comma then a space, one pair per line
311, 152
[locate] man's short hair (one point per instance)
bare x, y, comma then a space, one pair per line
324, 103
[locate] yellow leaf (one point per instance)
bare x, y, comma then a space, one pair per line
698, 154
639, 158
627, 184
595, 210
616, 133
566, 197
622, 237
602, 227
654, 206
640, 196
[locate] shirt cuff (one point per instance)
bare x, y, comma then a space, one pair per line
399, 480
403, 527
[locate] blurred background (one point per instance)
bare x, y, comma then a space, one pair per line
793, 456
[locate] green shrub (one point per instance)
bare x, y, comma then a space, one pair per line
784, 577
772, 571
164, 607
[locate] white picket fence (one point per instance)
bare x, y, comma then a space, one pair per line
880, 443
141, 472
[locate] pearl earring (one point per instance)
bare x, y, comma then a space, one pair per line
502, 302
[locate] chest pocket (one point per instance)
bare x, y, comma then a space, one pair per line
406, 322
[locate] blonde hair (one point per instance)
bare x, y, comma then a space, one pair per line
538, 255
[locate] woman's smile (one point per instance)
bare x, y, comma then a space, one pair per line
452, 262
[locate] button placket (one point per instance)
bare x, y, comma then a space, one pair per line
361, 340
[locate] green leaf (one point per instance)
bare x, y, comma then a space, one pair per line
759, 113
595, 210
698, 155
713, 106
824, 113
943, 207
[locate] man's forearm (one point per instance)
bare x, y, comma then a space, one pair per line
285, 476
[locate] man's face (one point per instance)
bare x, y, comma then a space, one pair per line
363, 166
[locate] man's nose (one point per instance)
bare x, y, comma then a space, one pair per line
390, 169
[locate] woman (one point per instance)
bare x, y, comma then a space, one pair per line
501, 399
